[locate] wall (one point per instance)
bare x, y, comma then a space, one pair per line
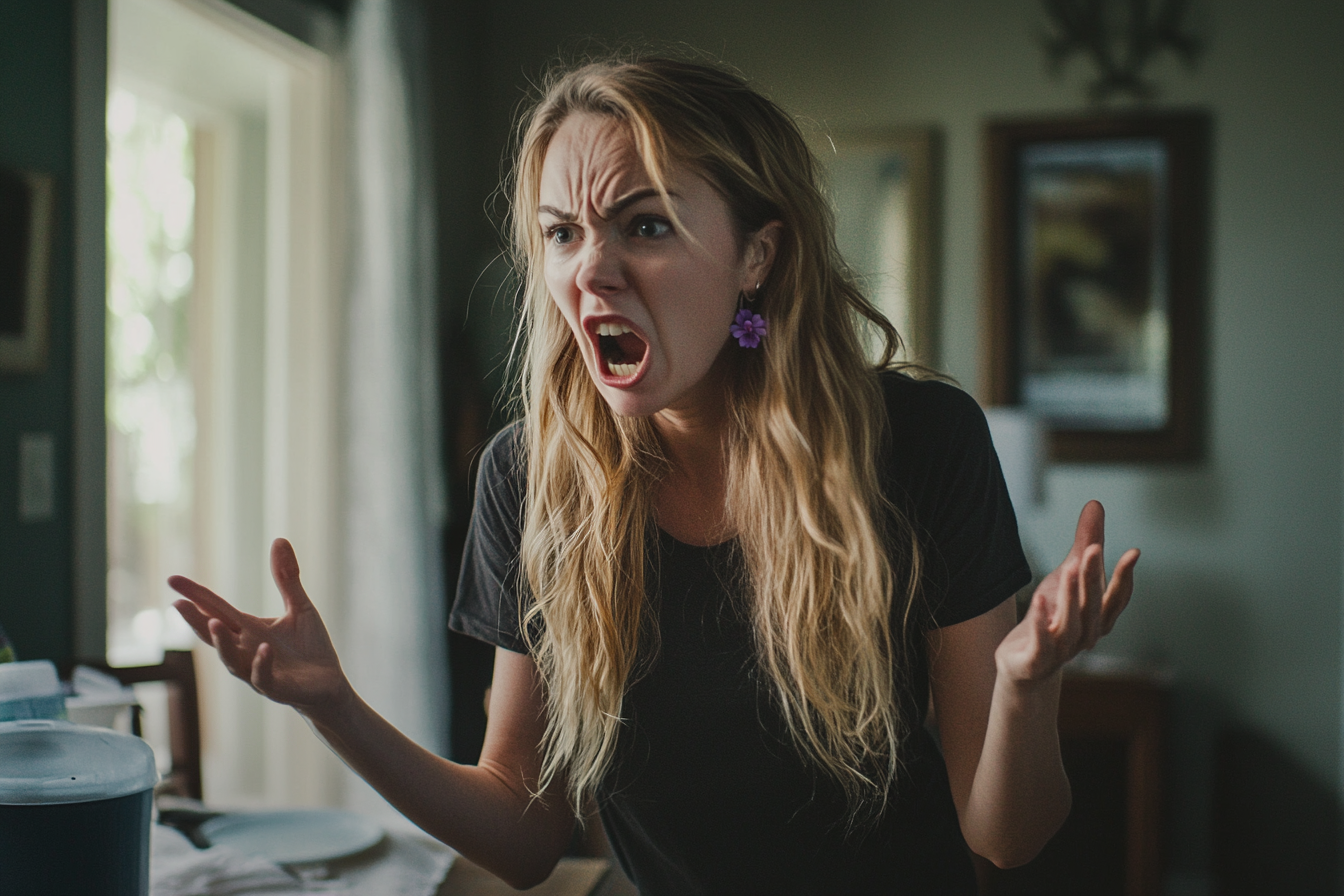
1241, 576
1242, 569
36, 132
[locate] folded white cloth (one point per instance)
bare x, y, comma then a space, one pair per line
177, 868
404, 864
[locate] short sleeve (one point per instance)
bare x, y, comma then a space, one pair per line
947, 478
489, 586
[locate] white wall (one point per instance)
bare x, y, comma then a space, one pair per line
1240, 584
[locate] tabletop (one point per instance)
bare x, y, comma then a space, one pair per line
401, 862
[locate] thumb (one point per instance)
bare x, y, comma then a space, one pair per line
285, 571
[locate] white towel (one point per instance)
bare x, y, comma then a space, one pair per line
177, 868
406, 863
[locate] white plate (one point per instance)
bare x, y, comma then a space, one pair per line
294, 837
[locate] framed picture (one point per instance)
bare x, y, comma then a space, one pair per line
1096, 276
25, 256
885, 188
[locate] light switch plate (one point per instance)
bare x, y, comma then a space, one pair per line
37, 476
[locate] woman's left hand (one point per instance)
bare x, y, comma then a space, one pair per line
1072, 608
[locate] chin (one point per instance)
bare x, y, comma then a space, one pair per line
624, 403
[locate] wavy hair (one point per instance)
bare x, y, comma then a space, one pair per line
829, 566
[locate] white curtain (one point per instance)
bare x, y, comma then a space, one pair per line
394, 645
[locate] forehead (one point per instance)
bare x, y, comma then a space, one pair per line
590, 158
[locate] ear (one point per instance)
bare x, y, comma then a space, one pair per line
758, 254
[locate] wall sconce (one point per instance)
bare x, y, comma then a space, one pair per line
1120, 37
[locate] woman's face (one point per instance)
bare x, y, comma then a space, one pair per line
649, 303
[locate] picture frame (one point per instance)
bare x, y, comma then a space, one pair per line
1095, 266
886, 190
26, 209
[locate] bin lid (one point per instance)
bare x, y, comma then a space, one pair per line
49, 761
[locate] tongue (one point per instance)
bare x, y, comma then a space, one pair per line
631, 348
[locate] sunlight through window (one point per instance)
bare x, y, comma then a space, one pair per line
151, 432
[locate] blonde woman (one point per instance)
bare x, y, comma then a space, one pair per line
727, 563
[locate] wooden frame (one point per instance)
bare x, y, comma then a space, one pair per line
1095, 267
885, 185
25, 269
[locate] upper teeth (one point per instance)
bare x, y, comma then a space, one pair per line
612, 329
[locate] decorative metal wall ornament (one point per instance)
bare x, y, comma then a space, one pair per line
1120, 38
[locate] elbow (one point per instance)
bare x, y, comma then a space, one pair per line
531, 868
1026, 842
527, 871
1017, 852
533, 875
1012, 858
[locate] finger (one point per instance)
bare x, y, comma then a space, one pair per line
1119, 591
263, 668
232, 653
1091, 529
285, 571
214, 606
1066, 625
1091, 589
199, 622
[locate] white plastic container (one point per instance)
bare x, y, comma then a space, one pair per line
75, 805
30, 690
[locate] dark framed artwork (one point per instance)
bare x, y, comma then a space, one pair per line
25, 260
1096, 242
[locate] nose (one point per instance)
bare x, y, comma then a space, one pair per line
601, 269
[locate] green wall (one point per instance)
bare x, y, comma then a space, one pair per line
36, 132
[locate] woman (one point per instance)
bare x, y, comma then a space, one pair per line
726, 563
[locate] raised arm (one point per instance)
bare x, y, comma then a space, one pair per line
996, 689
486, 812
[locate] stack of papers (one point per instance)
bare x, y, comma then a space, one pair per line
98, 698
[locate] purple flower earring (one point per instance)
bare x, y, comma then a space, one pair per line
748, 328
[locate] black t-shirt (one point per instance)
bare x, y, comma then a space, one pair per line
707, 793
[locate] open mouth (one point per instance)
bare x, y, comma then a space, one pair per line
620, 349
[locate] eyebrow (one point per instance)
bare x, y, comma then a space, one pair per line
612, 210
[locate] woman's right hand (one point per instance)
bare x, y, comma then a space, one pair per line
289, 658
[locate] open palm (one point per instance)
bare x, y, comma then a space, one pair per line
289, 658
1072, 608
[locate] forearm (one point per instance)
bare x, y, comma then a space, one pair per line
486, 812
1020, 794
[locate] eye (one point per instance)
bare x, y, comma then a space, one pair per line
651, 228
560, 234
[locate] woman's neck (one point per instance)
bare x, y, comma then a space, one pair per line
690, 500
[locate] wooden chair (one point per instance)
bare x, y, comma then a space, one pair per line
178, 672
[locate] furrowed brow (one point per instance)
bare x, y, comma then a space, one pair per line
628, 200
610, 211
555, 213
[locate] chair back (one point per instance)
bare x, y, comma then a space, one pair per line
178, 672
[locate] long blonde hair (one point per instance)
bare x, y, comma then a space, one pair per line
829, 564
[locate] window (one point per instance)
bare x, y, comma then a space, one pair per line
151, 407
221, 327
